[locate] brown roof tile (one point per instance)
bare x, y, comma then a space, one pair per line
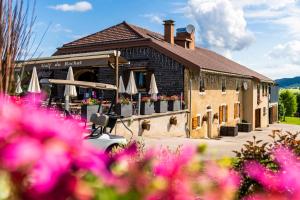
199, 57
115, 33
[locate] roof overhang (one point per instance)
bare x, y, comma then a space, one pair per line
94, 59
82, 84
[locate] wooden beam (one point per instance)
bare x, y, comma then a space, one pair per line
117, 75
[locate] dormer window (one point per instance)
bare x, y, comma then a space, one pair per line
202, 86
223, 85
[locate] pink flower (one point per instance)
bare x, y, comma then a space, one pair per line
284, 182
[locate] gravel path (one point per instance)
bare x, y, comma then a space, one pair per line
217, 148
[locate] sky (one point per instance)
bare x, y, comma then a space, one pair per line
263, 35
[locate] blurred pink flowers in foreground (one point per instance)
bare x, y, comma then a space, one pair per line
40, 151
281, 184
45, 157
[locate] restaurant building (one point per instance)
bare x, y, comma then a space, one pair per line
217, 91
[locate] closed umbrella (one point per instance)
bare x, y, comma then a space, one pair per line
121, 88
70, 90
153, 91
34, 85
131, 87
18, 86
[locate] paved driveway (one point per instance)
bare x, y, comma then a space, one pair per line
217, 148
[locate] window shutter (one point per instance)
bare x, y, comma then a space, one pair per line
226, 114
235, 110
194, 122
220, 114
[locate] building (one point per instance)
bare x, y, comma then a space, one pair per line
217, 91
273, 107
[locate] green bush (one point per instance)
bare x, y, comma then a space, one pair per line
288, 99
281, 111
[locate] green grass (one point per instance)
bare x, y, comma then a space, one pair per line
291, 120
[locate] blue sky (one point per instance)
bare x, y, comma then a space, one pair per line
263, 35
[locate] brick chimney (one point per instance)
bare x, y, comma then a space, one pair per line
169, 31
185, 37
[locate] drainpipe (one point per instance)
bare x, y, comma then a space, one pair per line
190, 108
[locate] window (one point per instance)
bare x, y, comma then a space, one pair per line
202, 85
223, 114
223, 85
264, 111
266, 90
238, 87
237, 111
140, 79
199, 121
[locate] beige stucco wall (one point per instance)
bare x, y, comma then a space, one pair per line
159, 125
263, 104
213, 98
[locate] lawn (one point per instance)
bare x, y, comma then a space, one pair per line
291, 120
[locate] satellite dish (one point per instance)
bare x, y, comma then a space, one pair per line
245, 85
190, 29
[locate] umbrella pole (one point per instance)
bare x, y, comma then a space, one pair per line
67, 100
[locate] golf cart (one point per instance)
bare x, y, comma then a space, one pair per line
99, 134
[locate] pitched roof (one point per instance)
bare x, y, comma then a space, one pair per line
115, 33
200, 57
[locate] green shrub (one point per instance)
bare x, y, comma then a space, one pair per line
288, 99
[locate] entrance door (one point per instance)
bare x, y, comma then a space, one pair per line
271, 115
257, 118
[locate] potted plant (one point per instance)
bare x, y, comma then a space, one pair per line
124, 107
174, 103
147, 106
146, 125
88, 107
173, 120
161, 105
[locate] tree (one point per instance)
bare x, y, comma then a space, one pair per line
15, 31
288, 99
281, 111
298, 104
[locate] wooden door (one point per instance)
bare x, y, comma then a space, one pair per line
257, 118
209, 124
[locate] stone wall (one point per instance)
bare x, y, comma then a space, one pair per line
159, 125
168, 73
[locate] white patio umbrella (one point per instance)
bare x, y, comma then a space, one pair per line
131, 87
18, 86
121, 88
153, 91
70, 90
34, 85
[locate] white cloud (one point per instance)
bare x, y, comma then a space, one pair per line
289, 51
154, 18
59, 28
280, 71
222, 25
81, 6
